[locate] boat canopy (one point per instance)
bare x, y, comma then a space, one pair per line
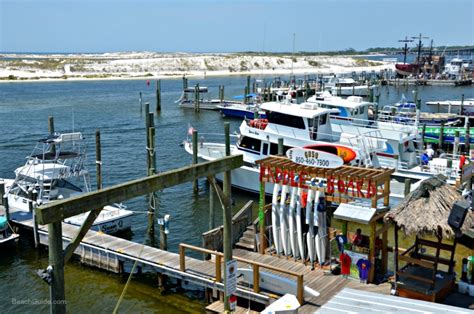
304, 110
240, 97
44, 171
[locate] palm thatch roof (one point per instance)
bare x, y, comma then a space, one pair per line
427, 208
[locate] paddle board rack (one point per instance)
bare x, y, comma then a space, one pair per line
310, 185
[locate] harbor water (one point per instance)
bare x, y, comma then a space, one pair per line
114, 109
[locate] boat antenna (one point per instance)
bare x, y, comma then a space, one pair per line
405, 50
293, 54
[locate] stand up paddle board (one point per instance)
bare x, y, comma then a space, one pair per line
309, 220
276, 218
284, 221
299, 227
292, 223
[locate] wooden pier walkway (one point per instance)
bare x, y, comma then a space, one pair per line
118, 255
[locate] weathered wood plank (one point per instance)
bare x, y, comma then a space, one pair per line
69, 207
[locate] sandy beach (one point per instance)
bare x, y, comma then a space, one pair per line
151, 65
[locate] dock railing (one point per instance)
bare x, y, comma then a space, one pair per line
256, 266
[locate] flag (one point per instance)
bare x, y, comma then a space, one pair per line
190, 129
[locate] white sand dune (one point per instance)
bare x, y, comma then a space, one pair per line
127, 65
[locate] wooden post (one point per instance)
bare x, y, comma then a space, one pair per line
196, 98
163, 238
98, 160
385, 251
423, 131
467, 138
32, 195
140, 100
441, 136
280, 146
227, 215
218, 268
221, 93
56, 261
182, 258
261, 216
147, 125
212, 215
300, 289
456, 143
373, 225
195, 158
407, 187
5, 200
256, 278
248, 87
254, 86
51, 131
158, 96
246, 92
462, 105
151, 171
438, 249
395, 255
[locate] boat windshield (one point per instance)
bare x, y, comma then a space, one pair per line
285, 119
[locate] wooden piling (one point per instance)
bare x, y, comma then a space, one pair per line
212, 214
261, 217
163, 238
56, 261
140, 100
196, 99
151, 170
423, 132
195, 158
227, 215
407, 187
51, 132
32, 195
456, 143
441, 136
158, 96
185, 86
98, 160
462, 105
467, 138
221, 93
5, 200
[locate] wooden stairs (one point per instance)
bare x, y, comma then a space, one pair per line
248, 240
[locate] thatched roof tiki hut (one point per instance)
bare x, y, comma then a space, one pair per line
425, 212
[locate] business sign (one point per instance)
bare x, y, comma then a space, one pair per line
314, 158
231, 275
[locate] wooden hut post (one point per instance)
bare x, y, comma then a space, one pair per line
261, 212
395, 254
439, 235
373, 225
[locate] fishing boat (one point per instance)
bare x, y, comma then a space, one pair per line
7, 236
188, 99
345, 86
249, 107
405, 112
463, 107
56, 170
307, 124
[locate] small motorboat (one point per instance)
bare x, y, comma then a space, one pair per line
7, 235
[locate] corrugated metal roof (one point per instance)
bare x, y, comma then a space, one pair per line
354, 212
355, 301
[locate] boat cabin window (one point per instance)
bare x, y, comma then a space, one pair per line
285, 119
265, 149
251, 144
274, 149
66, 185
362, 110
323, 119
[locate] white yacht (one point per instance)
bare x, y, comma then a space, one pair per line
353, 107
303, 125
54, 171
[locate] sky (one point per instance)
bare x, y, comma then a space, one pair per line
229, 25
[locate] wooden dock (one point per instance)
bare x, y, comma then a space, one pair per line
118, 255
